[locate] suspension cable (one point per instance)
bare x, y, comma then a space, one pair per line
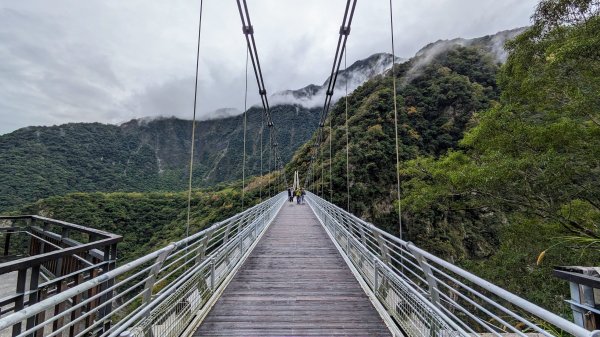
245, 125
189, 201
340, 49
347, 142
396, 121
330, 159
323, 172
248, 31
262, 127
270, 159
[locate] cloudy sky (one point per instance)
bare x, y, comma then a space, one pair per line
113, 60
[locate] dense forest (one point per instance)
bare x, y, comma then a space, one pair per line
140, 156
499, 164
152, 219
153, 154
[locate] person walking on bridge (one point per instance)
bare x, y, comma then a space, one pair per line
302, 194
290, 195
298, 196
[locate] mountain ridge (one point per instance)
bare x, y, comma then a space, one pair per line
152, 153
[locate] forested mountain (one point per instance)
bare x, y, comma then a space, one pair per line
153, 154
148, 220
500, 178
437, 103
140, 155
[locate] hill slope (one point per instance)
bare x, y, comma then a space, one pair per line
153, 154
139, 155
491, 174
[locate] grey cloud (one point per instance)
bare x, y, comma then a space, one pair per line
169, 98
111, 60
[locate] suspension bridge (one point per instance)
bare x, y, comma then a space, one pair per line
278, 268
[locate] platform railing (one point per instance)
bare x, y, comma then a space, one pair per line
159, 294
47, 257
427, 296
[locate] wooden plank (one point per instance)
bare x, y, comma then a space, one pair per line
294, 283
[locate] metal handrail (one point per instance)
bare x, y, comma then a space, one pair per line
426, 295
76, 227
98, 240
159, 293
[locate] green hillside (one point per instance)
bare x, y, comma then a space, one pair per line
436, 107
148, 220
39, 162
491, 175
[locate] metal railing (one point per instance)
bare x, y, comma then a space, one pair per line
584, 286
47, 257
428, 296
159, 294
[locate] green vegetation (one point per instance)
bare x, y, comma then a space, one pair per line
145, 220
436, 107
139, 156
492, 175
498, 162
532, 159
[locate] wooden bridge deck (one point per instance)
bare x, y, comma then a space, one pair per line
294, 283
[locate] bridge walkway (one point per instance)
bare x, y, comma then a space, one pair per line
294, 283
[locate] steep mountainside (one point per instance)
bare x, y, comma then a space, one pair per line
139, 155
499, 165
356, 74
153, 155
436, 104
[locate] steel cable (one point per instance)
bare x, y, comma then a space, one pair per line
189, 202
396, 121
340, 49
245, 125
248, 31
347, 142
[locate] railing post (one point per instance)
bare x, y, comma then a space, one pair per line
254, 228
59, 308
431, 282
212, 274
363, 238
204, 246
376, 277
7, 242
28, 224
154, 273
226, 234
33, 293
76, 328
110, 257
384, 253
40, 317
59, 263
578, 315
19, 302
348, 244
